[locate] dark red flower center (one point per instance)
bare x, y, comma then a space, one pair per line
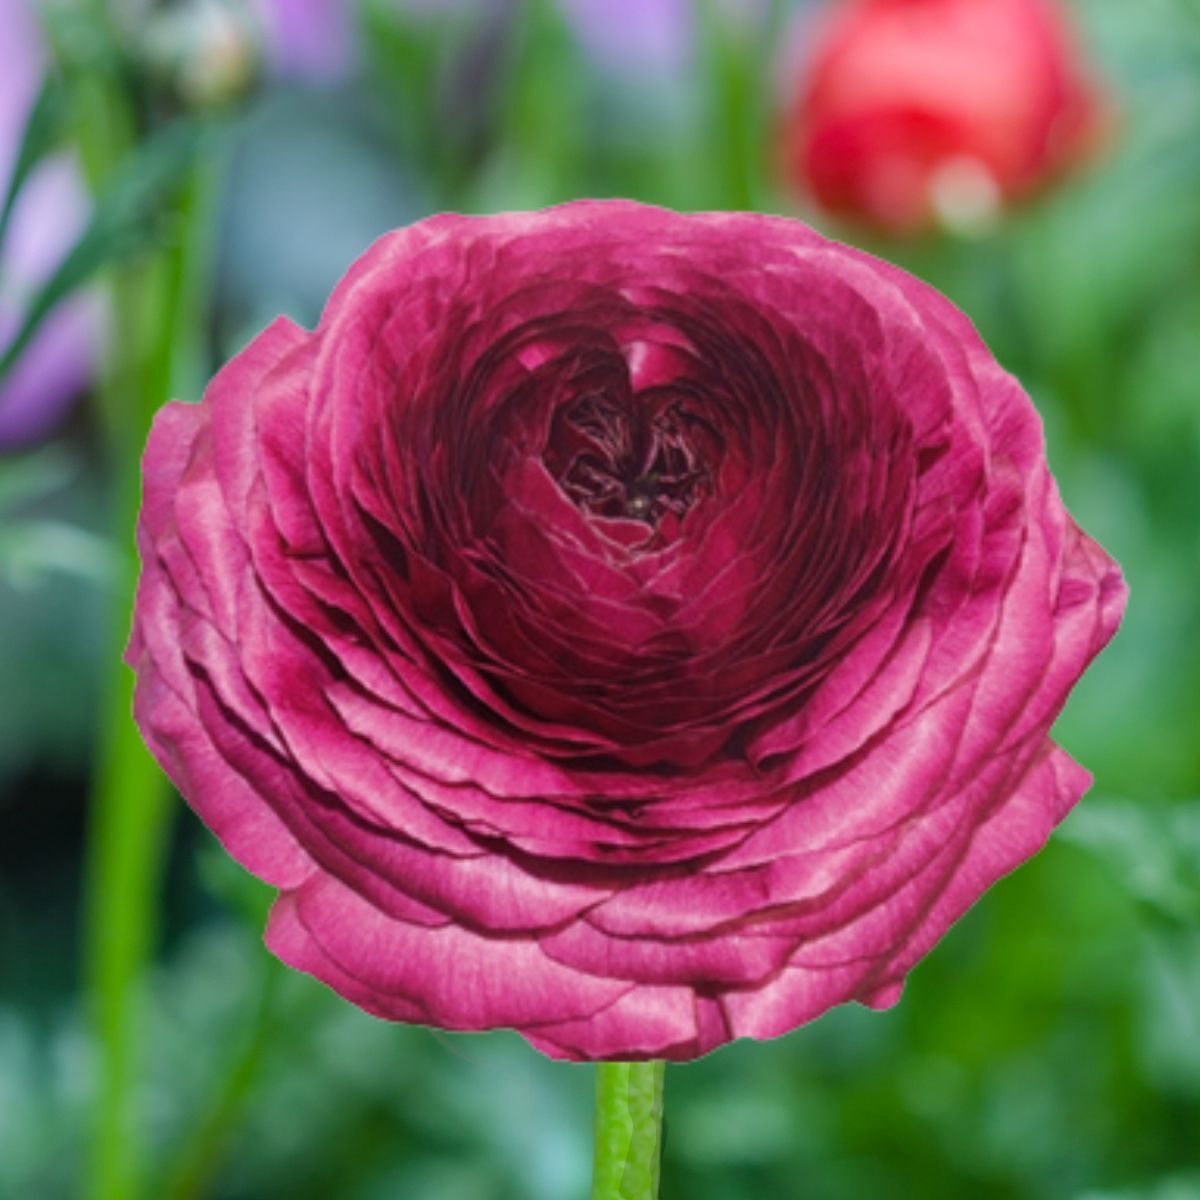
633, 460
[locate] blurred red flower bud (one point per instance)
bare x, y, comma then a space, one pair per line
916, 112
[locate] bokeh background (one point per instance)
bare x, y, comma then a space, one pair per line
179, 173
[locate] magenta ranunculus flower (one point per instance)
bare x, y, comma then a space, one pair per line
636, 629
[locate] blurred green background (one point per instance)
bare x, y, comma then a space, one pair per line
239, 158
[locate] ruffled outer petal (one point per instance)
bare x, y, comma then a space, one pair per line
633, 787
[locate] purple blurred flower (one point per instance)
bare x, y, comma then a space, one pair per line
49, 215
635, 36
654, 38
308, 39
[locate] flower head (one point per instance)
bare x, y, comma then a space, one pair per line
911, 111
641, 630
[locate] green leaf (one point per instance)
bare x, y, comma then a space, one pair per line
32, 549
1152, 848
41, 129
26, 478
126, 219
1180, 1187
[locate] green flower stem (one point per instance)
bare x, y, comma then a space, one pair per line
157, 301
128, 834
629, 1109
156, 310
127, 810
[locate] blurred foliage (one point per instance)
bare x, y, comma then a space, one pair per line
1048, 1050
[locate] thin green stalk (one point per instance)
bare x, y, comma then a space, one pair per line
629, 1109
128, 833
157, 303
739, 117
126, 811
158, 298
